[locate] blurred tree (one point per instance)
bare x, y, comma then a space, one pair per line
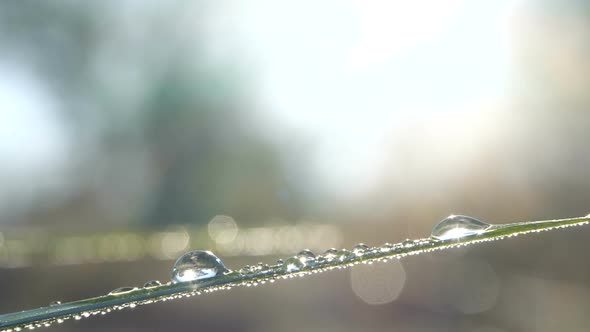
161, 132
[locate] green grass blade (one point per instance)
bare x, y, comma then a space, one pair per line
102, 305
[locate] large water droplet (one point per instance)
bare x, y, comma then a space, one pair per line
455, 227
293, 264
197, 265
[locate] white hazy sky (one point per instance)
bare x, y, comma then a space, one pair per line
348, 73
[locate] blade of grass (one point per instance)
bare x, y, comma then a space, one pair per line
46, 316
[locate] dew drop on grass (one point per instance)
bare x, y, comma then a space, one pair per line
293, 264
407, 243
305, 255
262, 267
456, 227
331, 254
197, 265
122, 290
344, 254
54, 303
246, 269
152, 283
360, 249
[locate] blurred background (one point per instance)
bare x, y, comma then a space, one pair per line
133, 131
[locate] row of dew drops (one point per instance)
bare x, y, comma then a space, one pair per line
200, 265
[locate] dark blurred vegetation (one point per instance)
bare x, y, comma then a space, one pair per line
165, 125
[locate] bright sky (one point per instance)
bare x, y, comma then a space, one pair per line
347, 73
30, 133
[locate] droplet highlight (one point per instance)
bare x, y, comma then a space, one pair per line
331, 254
293, 264
246, 269
306, 256
197, 265
344, 254
360, 249
457, 226
152, 283
122, 290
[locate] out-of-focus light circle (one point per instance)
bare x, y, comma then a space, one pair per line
223, 229
473, 286
378, 283
172, 243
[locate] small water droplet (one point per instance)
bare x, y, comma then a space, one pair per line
246, 269
293, 264
54, 303
262, 266
455, 227
344, 254
152, 283
331, 254
280, 261
197, 265
407, 243
306, 254
122, 290
360, 249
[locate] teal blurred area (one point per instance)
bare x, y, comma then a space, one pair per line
133, 131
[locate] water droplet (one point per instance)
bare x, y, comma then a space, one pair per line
122, 290
407, 243
360, 249
306, 254
293, 264
152, 283
246, 269
344, 254
54, 303
331, 254
262, 266
455, 227
197, 265
280, 261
